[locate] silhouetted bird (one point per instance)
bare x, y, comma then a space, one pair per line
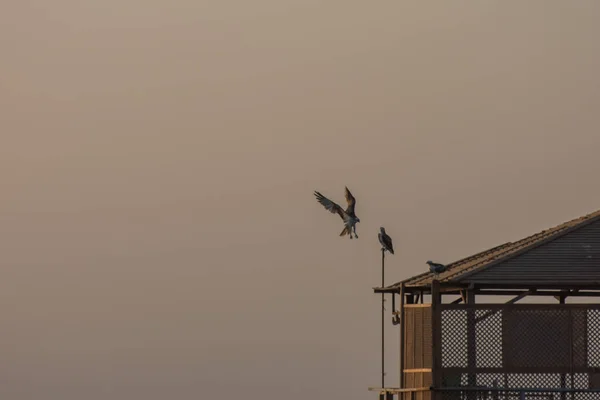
385, 240
348, 216
435, 267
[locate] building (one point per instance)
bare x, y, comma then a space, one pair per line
458, 342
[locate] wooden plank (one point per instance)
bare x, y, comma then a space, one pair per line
409, 340
423, 337
415, 345
414, 370
419, 305
399, 390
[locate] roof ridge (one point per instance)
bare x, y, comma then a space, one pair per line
556, 232
504, 251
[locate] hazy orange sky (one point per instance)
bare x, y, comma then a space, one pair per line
159, 237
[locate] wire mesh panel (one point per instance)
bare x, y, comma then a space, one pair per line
488, 338
454, 338
536, 338
504, 348
593, 333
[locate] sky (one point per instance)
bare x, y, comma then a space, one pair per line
159, 236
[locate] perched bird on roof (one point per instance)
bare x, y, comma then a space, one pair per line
348, 216
435, 267
385, 240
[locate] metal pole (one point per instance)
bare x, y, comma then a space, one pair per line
382, 319
402, 317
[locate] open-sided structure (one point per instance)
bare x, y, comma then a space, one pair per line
461, 343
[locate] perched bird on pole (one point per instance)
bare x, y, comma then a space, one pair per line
436, 268
385, 240
348, 216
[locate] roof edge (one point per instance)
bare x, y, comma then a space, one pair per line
459, 261
532, 246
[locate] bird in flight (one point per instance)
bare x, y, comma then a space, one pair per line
385, 240
436, 268
348, 216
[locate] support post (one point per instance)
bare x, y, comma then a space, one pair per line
471, 342
563, 377
402, 334
436, 327
382, 319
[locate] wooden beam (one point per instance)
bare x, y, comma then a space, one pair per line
563, 377
550, 284
399, 390
562, 296
436, 330
521, 296
555, 293
415, 370
511, 301
457, 301
471, 343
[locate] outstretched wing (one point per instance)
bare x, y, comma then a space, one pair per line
351, 202
329, 205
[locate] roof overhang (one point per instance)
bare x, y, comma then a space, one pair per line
452, 287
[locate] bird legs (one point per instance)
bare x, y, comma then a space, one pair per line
348, 231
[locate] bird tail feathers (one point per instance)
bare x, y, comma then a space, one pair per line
345, 231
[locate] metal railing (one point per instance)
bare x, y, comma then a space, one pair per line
488, 393
466, 393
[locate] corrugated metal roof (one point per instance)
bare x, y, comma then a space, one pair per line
536, 258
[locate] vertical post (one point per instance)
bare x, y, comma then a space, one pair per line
563, 377
402, 339
471, 342
382, 319
436, 327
